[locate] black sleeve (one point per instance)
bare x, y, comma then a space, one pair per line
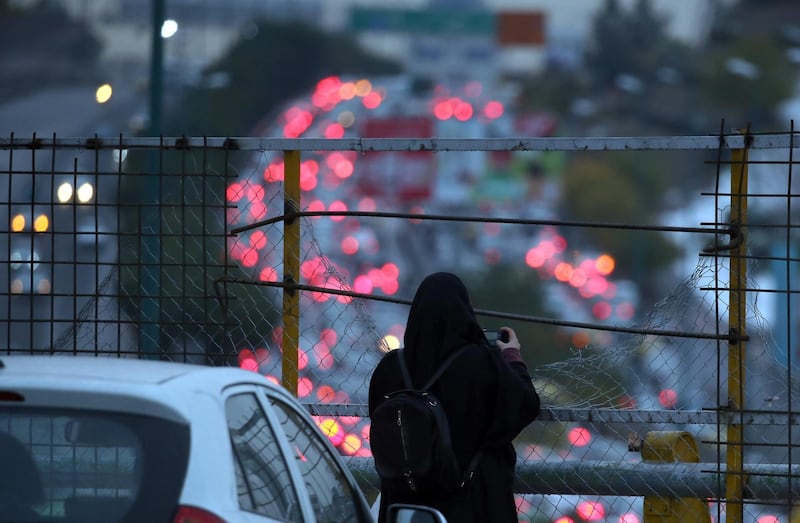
517, 403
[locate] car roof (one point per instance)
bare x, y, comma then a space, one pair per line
133, 385
121, 370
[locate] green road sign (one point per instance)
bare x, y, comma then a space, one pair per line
435, 21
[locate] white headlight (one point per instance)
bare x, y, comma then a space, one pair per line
85, 193
64, 192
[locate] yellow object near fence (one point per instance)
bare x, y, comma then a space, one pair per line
672, 447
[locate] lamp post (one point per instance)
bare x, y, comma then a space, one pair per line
150, 276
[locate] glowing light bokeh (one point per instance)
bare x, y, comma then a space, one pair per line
349, 245
493, 110
334, 130
103, 93
351, 444
268, 274
602, 310
605, 264
362, 284
169, 28
391, 341
304, 387
337, 206
250, 257
249, 364
18, 223
668, 398
325, 393
332, 429
591, 510
580, 339
579, 436
41, 223
258, 239
233, 193
534, 258
372, 100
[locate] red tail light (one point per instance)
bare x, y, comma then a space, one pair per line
10, 395
195, 515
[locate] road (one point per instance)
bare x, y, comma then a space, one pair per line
31, 321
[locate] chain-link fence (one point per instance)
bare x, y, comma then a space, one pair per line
297, 259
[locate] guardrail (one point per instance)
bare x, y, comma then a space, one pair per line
764, 483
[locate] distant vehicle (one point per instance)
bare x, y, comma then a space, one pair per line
29, 264
80, 192
86, 439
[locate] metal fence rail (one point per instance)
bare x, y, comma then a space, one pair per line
271, 254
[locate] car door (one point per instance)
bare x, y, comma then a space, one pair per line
269, 487
331, 489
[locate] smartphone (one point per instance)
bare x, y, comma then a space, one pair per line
493, 336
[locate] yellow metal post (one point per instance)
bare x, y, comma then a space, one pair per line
734, 483
671, 447
291, 270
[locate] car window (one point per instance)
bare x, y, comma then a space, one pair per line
332, 495
71, 465
263, 480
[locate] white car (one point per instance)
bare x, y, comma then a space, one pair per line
85, 439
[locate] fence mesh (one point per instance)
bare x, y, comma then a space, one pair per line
174, 249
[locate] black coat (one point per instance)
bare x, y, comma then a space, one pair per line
487, 399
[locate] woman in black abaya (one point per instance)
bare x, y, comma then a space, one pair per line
487, 394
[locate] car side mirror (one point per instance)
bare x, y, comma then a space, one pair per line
404, 513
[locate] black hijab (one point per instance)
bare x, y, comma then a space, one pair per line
441, 320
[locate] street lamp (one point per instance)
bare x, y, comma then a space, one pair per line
150, 283
169, 28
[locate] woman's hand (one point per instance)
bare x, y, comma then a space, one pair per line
510, 349
513, 341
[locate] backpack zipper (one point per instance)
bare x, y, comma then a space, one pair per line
402, 434
403, 444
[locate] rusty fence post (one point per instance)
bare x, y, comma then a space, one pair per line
291, 271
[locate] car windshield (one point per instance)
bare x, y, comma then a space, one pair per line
63, 465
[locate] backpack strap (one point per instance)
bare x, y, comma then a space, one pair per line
436, 375
404, 369
443, 367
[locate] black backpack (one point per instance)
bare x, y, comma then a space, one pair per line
410, 440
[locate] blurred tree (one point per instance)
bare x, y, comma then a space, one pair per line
279, 62
634, 75
648, 37
747, 78
193, 303
515, 290
554, 91
609, 53
626, 42
620, 189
